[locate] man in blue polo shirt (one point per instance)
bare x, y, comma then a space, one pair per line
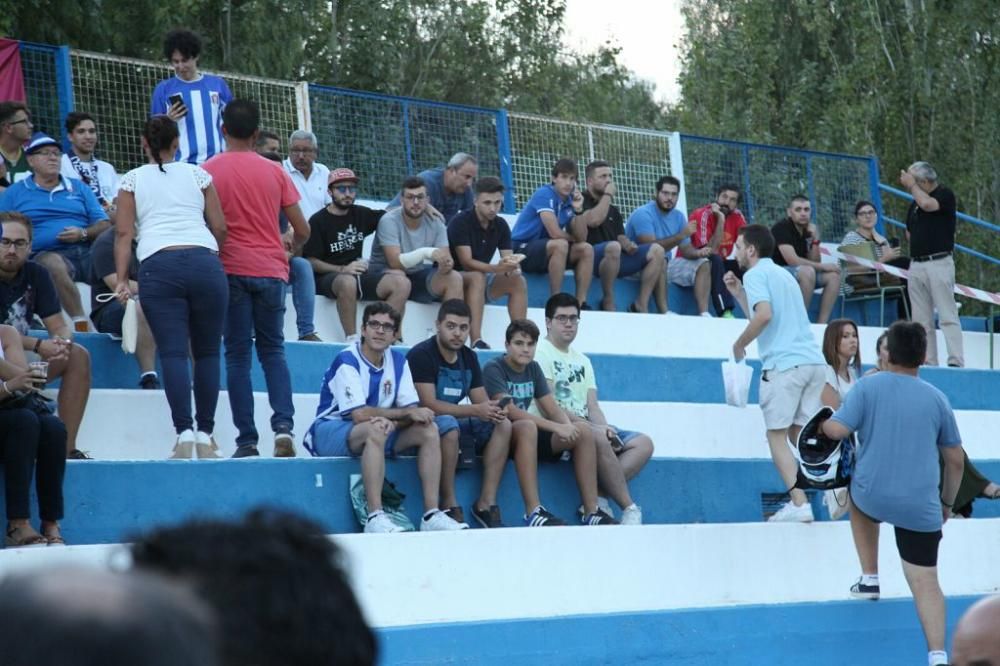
545, 233
65, 218
449, 190
793, 369
192, 99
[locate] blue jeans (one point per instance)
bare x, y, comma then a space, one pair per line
302, 282
184, 295
257, 310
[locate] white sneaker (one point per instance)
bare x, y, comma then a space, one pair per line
381, 523
441, 521
836, 502
793, 514
632, 515
205, 446
184, 448
705, 314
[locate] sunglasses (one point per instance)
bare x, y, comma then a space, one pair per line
345, 189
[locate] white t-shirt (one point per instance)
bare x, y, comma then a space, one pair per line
840, 385
169, 207
314, 192
107, 177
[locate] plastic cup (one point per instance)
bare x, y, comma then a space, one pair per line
40, 369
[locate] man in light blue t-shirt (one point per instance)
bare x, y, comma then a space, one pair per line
792, 380
904, 425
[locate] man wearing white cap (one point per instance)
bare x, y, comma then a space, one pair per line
337, 236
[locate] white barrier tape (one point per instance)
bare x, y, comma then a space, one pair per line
960, 289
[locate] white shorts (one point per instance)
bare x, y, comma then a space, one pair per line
792, 396
681, 271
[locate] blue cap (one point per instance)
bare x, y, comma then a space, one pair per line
40, 140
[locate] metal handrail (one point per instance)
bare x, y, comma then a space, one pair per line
962, 216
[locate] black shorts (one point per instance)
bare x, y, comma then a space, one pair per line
918, 548
536, 255
324, 285
108, 318
545, 451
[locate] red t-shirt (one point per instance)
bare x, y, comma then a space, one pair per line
705, 219
253, 190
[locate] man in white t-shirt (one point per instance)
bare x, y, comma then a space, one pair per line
621, 454
79, 162
308, 175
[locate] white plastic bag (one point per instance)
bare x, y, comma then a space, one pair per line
736, 376
130, 327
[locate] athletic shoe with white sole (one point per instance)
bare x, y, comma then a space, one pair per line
488, 517
206, 446
790, 513
598, 518
632, 515
441, 521
541, 517
380, 523
284, 445
861, 591
184, 448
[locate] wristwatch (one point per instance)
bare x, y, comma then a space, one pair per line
83, 236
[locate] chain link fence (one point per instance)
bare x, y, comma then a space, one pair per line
40, 68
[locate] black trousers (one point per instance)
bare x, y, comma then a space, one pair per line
32, 445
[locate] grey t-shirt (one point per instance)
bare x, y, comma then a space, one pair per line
392, 230
501, 379
900, 421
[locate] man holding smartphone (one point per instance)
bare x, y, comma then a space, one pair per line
797, 249
193, 100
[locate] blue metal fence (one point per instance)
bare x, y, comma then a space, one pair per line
48, 83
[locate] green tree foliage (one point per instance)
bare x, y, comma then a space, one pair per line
900, 79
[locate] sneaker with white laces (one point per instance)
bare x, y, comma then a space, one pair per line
441, 521
205, 446
836, 502
861, 591
598, 518
541, 517
380, 523
284, 445
790, 513
184, 448
631, 515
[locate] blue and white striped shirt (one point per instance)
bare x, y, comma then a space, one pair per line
201, 128
352, 382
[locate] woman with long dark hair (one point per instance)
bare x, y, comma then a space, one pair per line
173, 211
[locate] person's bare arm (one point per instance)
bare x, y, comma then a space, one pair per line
830, 397
298, 224
483, 410
720, 224
835, 430
761, 318
213, 215
924, 201
551, 225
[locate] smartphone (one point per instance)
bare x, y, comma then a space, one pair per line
617, 445
176, 99
504, 401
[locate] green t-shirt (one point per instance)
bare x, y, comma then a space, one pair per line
16, 170
571, 375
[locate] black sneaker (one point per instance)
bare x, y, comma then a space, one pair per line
598, 518
862, 591
480, 344
541, 517
149, 382
77, 454
585, 306
488, 517
246, 452
455, 513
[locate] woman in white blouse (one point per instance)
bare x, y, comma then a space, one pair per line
173, 211
843, 367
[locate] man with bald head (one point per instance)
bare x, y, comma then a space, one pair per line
977, 636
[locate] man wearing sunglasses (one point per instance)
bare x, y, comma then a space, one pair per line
368, 408
336, 239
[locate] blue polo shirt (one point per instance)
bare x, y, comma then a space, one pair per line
448, 204
649, 219
529, 225
787, 340
70, 204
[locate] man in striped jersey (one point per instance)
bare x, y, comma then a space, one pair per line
193, 100
368, 408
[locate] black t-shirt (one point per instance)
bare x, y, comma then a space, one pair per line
102, 262
338, 239
464, 229
933, 232
786, 233
30, 293
452, 381
610, 229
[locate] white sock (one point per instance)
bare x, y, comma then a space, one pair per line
937, 658
633, 505
428, 514
150, 373
869, 579
375, 513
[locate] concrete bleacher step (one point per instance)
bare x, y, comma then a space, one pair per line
776, 592
107, 502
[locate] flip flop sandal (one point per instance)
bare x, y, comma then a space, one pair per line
20, 537
55, 540
995, 495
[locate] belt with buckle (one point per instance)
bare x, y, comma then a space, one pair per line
932, 257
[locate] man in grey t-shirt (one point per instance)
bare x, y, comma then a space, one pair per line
903, 425
410, 240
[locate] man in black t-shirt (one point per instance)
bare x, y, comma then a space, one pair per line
930, 226
615, 255
26, 290
475, 236
796, 247
108, 314
337, 235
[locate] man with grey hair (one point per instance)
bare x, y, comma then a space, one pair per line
930, 227
449, 189
308, 175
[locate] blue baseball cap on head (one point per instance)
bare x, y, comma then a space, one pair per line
38, 141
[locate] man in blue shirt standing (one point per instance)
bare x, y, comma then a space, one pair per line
449, 189
546, 233
193, 100
904, 425
791, 384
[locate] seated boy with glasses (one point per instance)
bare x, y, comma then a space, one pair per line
368, 408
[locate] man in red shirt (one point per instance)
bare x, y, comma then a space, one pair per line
717, 226
253, 190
